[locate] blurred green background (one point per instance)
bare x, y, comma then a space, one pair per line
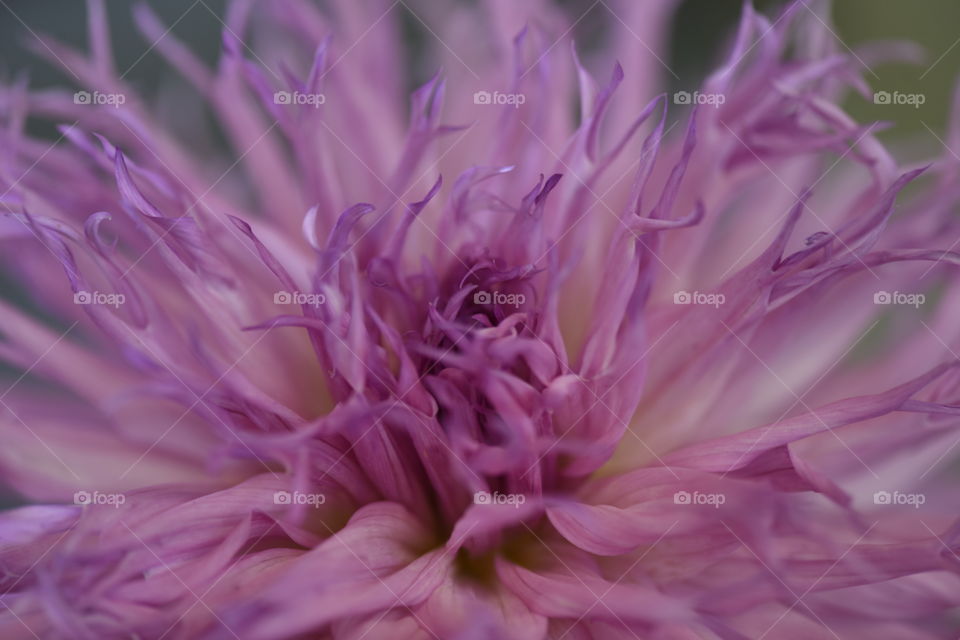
700, 30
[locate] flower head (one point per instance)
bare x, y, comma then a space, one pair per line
480, 364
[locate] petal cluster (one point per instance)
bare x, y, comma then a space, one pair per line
526, 355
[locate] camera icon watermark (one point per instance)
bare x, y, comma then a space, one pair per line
89, 498
486, 298
512, 499
299, 98
897, 498
498, 98
710, 99
299, 497
697, 498
696, 297
897, 98
898, 298
482, 97
298, 297
98, 298
97, 98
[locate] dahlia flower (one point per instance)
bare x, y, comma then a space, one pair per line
539, 352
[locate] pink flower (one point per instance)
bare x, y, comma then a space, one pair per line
617, 374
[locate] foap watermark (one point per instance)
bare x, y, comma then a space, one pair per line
512, 499
898, 98
711, 99
299, 497
897, 498
99, 298
100, 99
712, 499
498, 98
85, 498
299, 297
497, 297
897, 297
298, 97
696, 297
